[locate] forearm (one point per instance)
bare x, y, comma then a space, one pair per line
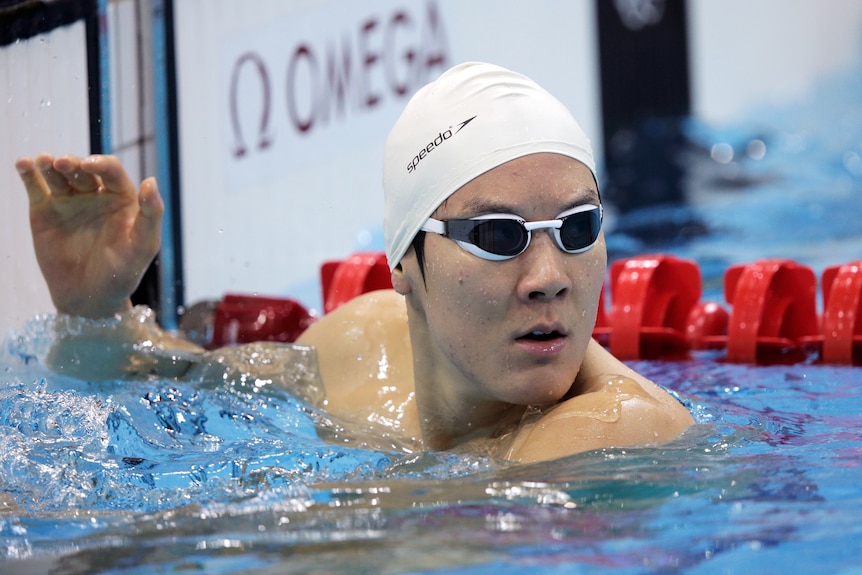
123, 346
132, 346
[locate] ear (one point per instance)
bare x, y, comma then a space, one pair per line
400, 282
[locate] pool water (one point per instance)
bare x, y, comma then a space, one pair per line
163, 477
229, 475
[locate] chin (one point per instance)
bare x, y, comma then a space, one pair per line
531, 394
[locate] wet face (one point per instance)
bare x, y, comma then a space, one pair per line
512, 331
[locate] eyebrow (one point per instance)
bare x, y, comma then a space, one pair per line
479, 206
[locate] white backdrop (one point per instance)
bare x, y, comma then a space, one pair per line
43, 107
308, 92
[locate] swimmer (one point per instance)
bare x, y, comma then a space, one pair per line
493, 235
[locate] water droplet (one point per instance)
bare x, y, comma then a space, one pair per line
722, 153
756, 149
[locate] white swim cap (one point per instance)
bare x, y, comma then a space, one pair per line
472, 119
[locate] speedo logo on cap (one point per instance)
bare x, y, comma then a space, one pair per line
436, 143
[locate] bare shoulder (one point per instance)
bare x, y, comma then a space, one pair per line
614, 407
377, 314
363, 347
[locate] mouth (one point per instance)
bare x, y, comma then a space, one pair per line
543, 333
543, 342
539, 335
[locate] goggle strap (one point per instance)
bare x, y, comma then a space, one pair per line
434, 226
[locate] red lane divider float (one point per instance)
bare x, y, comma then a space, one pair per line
247, 318
774, 311
345, 279
654, 312
652, 297
842, 325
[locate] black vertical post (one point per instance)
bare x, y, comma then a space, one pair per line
643, 55
97, 83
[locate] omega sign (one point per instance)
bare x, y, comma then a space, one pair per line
287, 86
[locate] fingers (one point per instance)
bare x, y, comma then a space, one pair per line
46, 176
78, 180
111, 171
152, 206
57, 182
68, 175
34, 183
147, 230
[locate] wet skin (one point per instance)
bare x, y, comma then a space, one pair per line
491, 339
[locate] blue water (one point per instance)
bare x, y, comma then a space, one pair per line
164, 477
230, 475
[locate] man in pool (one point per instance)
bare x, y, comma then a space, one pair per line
493, 235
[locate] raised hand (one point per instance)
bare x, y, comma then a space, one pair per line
93, 233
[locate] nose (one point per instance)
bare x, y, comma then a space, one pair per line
545, 275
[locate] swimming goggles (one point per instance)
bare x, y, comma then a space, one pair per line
503, 236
